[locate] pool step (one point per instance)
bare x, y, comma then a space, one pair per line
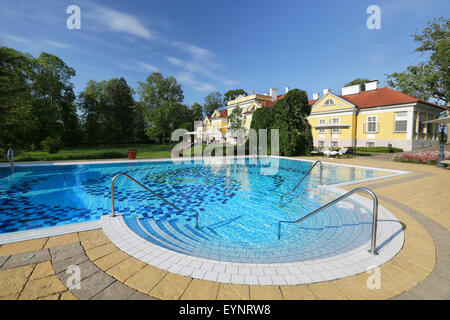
178, 236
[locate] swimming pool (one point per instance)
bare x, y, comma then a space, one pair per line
54, 195
238, 204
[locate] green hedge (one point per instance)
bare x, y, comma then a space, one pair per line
53, 157
374, 149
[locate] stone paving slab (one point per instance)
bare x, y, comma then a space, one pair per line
43, 287
3, 260
66, 251
116, 291
141, 296
22, 246
42, 270
92, 285
62, 265
23, 259
13, 280
87, 269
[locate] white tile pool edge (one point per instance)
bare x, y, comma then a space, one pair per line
350, 263
49, 231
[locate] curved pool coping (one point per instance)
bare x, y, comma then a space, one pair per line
390, 240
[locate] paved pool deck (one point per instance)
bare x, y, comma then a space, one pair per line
37, 269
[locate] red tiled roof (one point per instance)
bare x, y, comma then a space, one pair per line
222, 114
382, 97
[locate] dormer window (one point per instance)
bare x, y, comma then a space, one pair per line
329, 102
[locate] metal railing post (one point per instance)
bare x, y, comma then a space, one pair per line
140, 184
303, 178
374, 215
10, 157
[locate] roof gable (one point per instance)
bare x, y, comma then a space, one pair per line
330, 102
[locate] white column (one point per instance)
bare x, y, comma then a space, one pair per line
410, 125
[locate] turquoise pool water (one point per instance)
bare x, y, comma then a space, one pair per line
238, 207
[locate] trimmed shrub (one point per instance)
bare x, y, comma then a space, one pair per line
51, 144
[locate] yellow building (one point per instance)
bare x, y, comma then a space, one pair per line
371, 118
216, 129
355, 118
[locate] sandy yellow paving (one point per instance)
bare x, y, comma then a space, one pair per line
265, 293
171, 287
233, 292
201, 290
146, 278
13, 280
22, 246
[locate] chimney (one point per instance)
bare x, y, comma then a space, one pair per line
325, 91
373, 85
273, 93
287, 89
315, 96
351, 90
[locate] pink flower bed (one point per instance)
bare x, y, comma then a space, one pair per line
421, 157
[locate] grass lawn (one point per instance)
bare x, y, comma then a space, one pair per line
97, 152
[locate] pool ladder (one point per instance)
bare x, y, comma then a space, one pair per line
374, 214
304, 177
10, 157
113, 213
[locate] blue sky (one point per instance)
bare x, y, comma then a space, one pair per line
220, 45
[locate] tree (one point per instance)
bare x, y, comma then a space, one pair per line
17, 123
289, 116
361, 81
90, 104
233, 94
157, 90
119, 111
430, 78
213, 101
54, 99
161, 99
236, 119
197, 112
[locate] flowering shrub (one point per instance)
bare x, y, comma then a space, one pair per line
421, 157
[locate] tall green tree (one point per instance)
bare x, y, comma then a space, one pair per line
17, 123
161, 99
213, 101
90, 104
233, 94
236, 119
289, 116
119, 111
197, 112
431, 77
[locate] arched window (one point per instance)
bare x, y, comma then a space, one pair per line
329, 102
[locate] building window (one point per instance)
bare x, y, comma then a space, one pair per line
370, 144
371, 125
334, 144
321, 144
322, 122
335, 121
401, 121
421, 124
329, 102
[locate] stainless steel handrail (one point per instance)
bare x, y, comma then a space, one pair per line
11, 160
375, 214
113, 214
304, 177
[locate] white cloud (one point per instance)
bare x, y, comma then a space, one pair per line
188, 78
118, 21
148, 67
57, 44
14, 38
